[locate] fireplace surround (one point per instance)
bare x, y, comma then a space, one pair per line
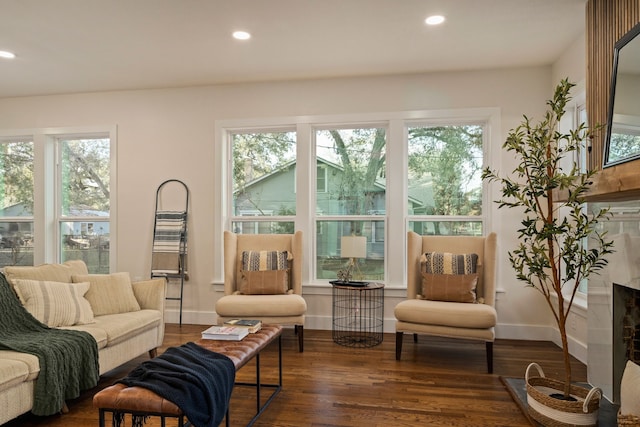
614, 303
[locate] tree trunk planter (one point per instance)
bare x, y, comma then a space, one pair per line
550, 411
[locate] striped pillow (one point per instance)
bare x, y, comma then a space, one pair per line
265, 260
55, 303
448, 263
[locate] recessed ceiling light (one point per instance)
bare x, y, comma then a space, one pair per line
241, 35
434, 20
6, 54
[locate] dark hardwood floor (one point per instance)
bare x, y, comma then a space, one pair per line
438, 382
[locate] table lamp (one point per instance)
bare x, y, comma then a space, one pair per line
352, 247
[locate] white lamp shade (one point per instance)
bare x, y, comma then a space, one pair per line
353, 247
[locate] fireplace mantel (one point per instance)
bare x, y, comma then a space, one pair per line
616, 183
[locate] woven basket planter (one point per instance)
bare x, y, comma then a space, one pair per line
552, 412
628, 420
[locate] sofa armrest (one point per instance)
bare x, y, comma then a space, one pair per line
151, 294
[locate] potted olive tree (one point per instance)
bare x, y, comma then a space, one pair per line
552, 255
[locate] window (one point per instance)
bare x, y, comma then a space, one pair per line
321, 179
354, 200
263, 181
444, 185
16, 202
371, 175
60, 211
84, 191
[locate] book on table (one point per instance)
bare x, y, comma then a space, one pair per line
229, 333
252, 325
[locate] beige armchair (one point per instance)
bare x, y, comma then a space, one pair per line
475, 321
283, 309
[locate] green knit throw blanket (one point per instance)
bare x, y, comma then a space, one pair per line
68, 359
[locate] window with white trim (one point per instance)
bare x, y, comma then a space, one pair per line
61, 210
332, 176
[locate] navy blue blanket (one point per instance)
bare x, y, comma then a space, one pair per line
197, 380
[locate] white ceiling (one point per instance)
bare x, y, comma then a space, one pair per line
66, 46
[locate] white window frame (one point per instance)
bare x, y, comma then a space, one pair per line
46, 191
305, 220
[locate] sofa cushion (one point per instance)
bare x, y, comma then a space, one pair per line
98, 333
109, 293
12, 372
52, 272
55, 303
29, 361
450, 287
269, 282
121, 327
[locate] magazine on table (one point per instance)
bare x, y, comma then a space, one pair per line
229, 333
252, 325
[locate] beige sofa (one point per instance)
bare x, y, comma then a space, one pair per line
126, 333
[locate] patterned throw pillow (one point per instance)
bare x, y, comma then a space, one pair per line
265, 272
449, 287
442, 282
448, 263
265, 260
55, 303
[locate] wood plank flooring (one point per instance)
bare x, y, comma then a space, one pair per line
438, 382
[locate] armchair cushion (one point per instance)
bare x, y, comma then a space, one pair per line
265, 260
55, 303
448, 263
266, 282
448, 314
449, 287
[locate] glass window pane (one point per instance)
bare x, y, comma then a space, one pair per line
445, 166
263, 227
88, 241
16, 179
264, 174
329, 258
355, 171
16, 243
85, 177
446, 228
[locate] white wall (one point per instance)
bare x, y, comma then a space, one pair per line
170, 134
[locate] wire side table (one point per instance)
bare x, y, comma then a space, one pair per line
358, 313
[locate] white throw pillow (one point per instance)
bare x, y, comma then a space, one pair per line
55, 303
109, 293
630, 390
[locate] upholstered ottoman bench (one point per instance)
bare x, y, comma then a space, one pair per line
119, 399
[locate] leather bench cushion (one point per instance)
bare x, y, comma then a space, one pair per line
122, 326
256, 306
461, 315
16, 369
